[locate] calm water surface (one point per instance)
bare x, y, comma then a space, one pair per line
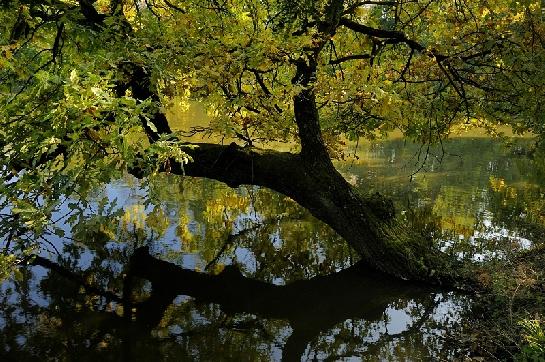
481, 198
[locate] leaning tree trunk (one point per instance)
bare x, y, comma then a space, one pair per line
366, 222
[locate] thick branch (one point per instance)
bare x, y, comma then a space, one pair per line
313, 148
392, 36
93, 17
365, 222
236, 165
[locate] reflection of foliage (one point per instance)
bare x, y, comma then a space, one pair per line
284, 241
486, 201
211, 332
200, 224
470, 189
520, 206
217, 223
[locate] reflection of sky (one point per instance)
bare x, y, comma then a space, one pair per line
35, 294
502, 238
247, 258
396, 320
385, 162
116, 191
496, 232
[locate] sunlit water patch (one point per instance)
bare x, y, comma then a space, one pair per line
485, 197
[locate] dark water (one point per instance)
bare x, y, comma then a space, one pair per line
260, 279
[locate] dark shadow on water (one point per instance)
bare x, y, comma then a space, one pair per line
311, 306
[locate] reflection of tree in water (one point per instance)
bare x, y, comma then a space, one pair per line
312, 307
322, 312
227, 314
221, 318
328, 308
520, 204
318, 314
220, 224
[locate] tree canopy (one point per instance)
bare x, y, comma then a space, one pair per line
86, 85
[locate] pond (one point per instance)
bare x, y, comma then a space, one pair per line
257, 278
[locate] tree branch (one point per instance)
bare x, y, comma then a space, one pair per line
313, 148
172, 6
393, 37
236, 165
349, 57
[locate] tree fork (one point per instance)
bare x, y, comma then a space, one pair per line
309, 178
